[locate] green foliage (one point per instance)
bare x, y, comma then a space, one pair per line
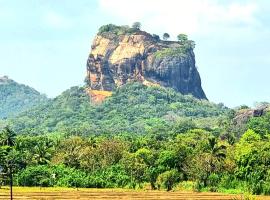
136, 25
15, 98
36, 176
65, 111
168, 179
140, 135
162, 159
136, 164
252, 158
156, 37
182, 38
186, 44
213, 180
132, 108
167, 159
7, 137
260, 125
118, 30
177, 51
166, 36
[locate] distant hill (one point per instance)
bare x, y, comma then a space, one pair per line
15, 97
133, 108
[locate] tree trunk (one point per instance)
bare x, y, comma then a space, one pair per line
11, 184
153, 187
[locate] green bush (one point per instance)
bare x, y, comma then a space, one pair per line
118, 30
266, 188
213, 181
179, 51
111, 177
40, 175
168, 179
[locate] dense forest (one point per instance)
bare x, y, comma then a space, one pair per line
133, 108
139, 137
15, 97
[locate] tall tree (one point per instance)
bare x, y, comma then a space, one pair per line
182, 38
7, 137
136, 25
10, 155
43, 151
216, 152
166, 36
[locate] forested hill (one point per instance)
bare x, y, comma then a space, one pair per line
133, 108
15, 97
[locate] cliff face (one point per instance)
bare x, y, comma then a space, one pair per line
116, 59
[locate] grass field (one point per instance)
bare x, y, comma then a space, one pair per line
83, 194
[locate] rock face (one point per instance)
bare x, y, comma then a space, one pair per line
117, 59
242, 116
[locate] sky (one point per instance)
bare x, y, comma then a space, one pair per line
45, 43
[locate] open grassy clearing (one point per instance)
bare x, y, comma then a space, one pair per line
71, 193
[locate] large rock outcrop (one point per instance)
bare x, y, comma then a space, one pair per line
117, 58
243, 115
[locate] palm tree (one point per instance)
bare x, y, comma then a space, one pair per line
12, 161
43, 152
10, 155
217, 152
212, 156
7, 137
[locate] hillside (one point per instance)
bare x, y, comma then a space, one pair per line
15, 97
133, 108
141, 135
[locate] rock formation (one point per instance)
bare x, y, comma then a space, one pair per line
243, 115
121, 54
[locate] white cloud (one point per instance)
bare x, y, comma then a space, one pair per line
188, 16
55, 20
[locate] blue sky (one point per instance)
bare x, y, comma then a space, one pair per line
45, 43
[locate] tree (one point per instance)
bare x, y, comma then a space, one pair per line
10, 165
136, 25
166, 36
253, 161
216, 150
209, 159
70, 151
260, 125
168, 179
182, 126
167, 160
10, 156
7, 137
43, 152
190, 44
182, 38
156, 37
137, 165
216, 153
110, 151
